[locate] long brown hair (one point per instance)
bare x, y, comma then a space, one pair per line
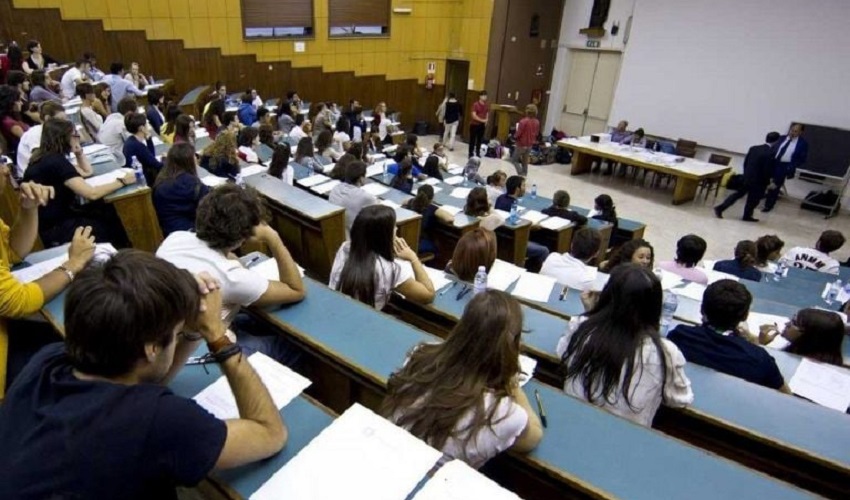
475, 248
180, 160
55, 138
477, 204
821, 334
223, 148
442, 383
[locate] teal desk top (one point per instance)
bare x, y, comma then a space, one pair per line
299, 200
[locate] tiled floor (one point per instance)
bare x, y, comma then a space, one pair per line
667, 223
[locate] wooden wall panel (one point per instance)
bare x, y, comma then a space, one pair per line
66, 40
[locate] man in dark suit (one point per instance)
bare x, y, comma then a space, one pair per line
792, 152
758, 169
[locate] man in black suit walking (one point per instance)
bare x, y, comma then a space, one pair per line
791, 152
758, 169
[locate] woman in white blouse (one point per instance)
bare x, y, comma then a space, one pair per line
616, 358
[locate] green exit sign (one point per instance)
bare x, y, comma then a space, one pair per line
593, 44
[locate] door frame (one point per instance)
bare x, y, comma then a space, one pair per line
455, 69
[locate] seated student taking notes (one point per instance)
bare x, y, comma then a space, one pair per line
817, 258
689, 251
572, 269
462, 396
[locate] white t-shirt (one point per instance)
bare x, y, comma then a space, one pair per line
646, 391
509, 420
288, 175
93, 121
809, 258
340, 138
388, 275
69, 82
569, 271
353, 199
29, 141
297, 133
112, 134
250, 155
493, 193
239, 286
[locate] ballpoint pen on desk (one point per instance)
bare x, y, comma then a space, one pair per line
540, 409
463, 292
564, 292
448, 288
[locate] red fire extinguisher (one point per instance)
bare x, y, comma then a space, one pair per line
429, 81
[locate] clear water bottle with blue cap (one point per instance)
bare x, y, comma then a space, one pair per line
779, 272
668, 309
534, 191
833, 291
139, 171
514, 217
386, 172
480, 283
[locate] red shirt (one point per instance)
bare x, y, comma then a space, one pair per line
527, 131
481, 109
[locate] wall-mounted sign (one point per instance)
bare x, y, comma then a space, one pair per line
592, 44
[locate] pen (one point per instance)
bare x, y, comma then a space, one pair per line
448, 288
252, 261
564, 292
463, 292
195, 360
540, 409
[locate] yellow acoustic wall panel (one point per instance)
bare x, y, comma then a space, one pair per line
434, 31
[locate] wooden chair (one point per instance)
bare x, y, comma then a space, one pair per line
714, 182
686, 148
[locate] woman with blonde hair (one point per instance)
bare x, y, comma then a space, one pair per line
220, 158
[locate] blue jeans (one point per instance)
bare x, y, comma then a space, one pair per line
535, 254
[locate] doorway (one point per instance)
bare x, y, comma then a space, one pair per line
457, 79
590, 91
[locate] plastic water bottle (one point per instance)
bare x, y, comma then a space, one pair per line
482, 151
479, 285
779, 272
832, 293
240, 181
514, 217
668, 309
386, 172
139, 171
534, 191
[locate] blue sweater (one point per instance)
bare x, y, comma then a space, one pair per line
735, 268
247, 114
176, 201
146, 154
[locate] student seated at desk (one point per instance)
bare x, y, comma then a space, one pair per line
350, 194
422, 204
375, 262
560, 208
304, 152
474, 249
220, 158
811, 333
572, 269
230, 123
817, 258
462, 396
167, 130
470, 172
264, 117
23, 299
432, 167
300, 129
440, 152
496, 185
91, 120
103, 104
213, 118
768, 249
719, 345
32, 137
338, 172
401, 154
113, 133
93, 418
535, 252
153, 111
478, 206
743, 265
228, 217
279, 166
638, 252
61, 216
184, 130
140, 146
248, 140
246, 113
616, 358
604, 210
286, 120
403, 179
178, 190
325, 146
689, 251
341, 139
267, 135
11, 126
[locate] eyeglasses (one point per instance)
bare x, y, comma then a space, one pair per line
75, 135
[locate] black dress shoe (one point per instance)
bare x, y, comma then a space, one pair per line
718, 213
749, 219
766, 210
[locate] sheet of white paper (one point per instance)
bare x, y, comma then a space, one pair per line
326, 187
328, 168
533, 216
431, 181
779, 343
691, 290
824, 384
534, 287
268, 268
453, 181
669, 280
756, 320
708, 264
502, 275
555, 223
375, 169
458, 481
504, 215
438, 278
92, 149
360, 455
156, 141
100, 180
253, 170
526, 366
717, 276
313, 180
455, 169
283, 384
375, 189
213, 180
391, 204
451, 209
600, 281
461, 193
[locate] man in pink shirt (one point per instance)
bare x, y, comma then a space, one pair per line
480, 114
526, 134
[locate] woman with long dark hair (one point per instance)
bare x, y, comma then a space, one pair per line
304, 155
403, 179
768, 248
280, 164
184, 130
178, 190
325, 145
812, 333
214, 116
616, 358
478, 205
375, 262
744, 263
638, 252
12, 126
422, 204
462, 396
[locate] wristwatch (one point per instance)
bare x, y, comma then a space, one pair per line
70, 274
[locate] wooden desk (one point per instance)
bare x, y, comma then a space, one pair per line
192, 102
312, 228
688, 174
134, 206
505, 116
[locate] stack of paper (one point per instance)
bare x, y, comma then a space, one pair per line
431, 181
533, 216
438, 278
458, 481
691, 290
713, 276
100, 180
555, 223
451, 209
326, 187
391, 204
824, 384
253, 170
669, 280
526, 367
375, 169
213, 180
453, 181
502, 275
461, 193
328, 168
534, 287
360, 455
283, 384
93, 149
455, 169
375, 189
313, 180
268, 268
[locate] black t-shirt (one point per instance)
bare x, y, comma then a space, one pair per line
453, 111
66, 438
54, 170
727, 354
